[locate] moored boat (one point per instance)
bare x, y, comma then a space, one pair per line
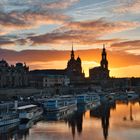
131, 95
29, 112
88, 101
9, 118
54, 105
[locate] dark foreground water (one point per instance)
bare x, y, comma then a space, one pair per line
120, 121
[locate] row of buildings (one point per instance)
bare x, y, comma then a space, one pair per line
18, 75
14, 75
73, 74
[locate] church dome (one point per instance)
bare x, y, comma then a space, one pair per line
3, 63
79, 59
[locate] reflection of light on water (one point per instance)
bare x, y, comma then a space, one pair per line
108, 124
87, 115
51, 127
126, 115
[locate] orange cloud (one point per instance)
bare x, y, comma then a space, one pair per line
127, 46
116, 59
28, 20
38, 13
84, 32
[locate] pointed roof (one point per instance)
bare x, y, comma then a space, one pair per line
104, 50
72, 52
72, 46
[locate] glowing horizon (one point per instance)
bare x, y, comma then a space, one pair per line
41, 32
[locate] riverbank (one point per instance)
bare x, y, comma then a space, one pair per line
6, 94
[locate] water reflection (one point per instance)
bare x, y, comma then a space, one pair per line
20, 132
119, 120
103, 112
75, 121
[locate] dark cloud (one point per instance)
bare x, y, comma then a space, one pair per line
5, 41
34, 14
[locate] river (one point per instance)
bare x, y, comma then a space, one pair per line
110, 121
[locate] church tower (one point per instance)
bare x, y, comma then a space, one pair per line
72, 53
104, 62
74, 67
101, 72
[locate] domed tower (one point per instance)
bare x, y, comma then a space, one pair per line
104, 62
74, 68
71, 62
3, 63
71, 65
101, 72
79, 60
79, 67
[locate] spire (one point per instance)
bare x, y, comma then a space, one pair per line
104, 62
103, 46
104, 50
72, 46
72, 52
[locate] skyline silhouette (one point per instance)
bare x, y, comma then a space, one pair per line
40, 33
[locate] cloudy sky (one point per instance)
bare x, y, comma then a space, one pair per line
41, 32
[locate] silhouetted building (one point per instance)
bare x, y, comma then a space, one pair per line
55, 80
72, 74
38, 77
101, 72
135, 81
13, 76
74, 68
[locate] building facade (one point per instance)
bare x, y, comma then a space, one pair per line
45, 78
101, 72
55, 80
13, 76
74, 68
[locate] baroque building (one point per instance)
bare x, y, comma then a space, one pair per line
52, 77
13, 76
47, 77
101, 72
56, 80
74, 67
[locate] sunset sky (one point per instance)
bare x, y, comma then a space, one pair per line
41, 32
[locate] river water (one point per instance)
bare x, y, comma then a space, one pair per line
111, 121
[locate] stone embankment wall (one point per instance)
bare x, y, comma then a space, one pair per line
10, 93
51, 91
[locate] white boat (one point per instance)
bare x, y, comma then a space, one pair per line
29, 112
59, 108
